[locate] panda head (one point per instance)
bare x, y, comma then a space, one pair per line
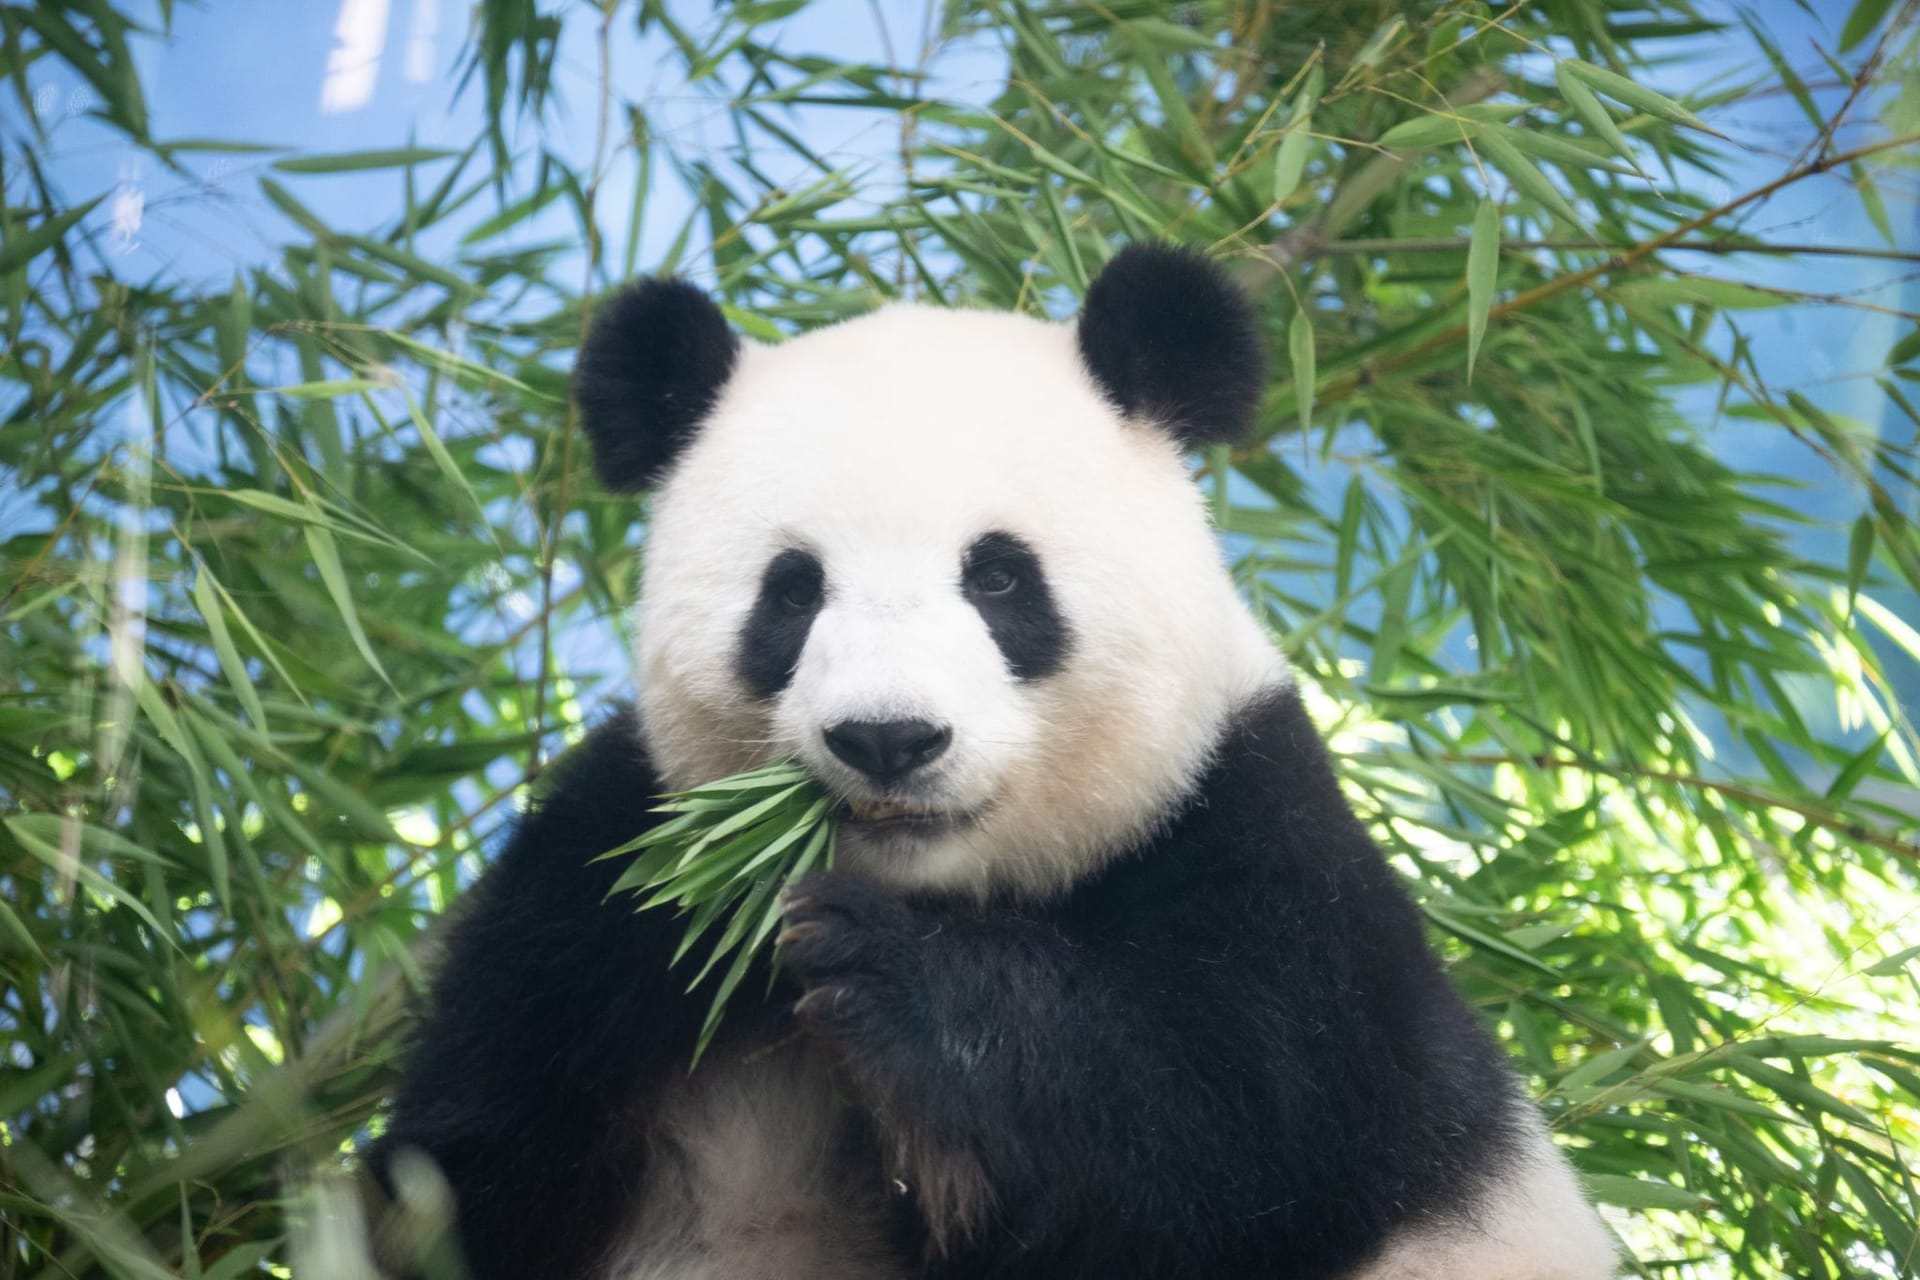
952, 561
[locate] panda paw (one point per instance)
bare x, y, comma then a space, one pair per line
854, 947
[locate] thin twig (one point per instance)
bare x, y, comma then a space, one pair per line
1822, 146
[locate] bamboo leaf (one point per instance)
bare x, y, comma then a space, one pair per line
1905, 350
1876, 208
206, 597
1894, 963
1560, 151
49, 852
25, 246
437, 450
1856, 770
1428, 131
1300, 353
326, 558
1590, 109
359, 161
1291, 159
1861, 22
1483, 268
1859, 556
1530, 181
1640, 1193
1626, 92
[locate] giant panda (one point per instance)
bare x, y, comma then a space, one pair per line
1107, 981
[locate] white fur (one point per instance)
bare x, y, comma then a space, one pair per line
749, 1178
1532, 1224
886, 446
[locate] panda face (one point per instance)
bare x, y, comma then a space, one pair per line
951, 561
886, 658
925, 555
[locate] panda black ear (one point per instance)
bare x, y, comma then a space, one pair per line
652, 368
1170, 339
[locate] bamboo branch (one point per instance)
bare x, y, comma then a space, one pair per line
1373, 179
1825, 818
1444, 244
1339, 388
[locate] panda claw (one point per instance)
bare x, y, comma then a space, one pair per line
819, 1000
800, 932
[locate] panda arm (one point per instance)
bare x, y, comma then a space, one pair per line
1231, 1047
552, 1017
1024, 1080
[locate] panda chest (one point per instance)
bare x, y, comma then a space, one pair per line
760, 1168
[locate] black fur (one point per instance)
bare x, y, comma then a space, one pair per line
554, 1017
791, 592
1023, 620
652, 368
1229, 1054
1171, 340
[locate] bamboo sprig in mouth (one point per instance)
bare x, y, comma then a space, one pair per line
721, 859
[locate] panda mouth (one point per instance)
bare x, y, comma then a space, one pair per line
883, 816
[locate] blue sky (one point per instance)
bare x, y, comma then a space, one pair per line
352, 75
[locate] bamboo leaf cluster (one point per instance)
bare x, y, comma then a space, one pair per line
721, 859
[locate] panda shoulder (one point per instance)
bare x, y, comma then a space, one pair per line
598, 795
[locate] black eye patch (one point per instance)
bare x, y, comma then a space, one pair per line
791, 592
1000, 575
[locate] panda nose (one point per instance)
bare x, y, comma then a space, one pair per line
887, 750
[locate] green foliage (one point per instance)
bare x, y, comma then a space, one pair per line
722, 859
292, 567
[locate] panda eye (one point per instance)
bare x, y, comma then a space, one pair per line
801, 593
793, 583
994, 579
